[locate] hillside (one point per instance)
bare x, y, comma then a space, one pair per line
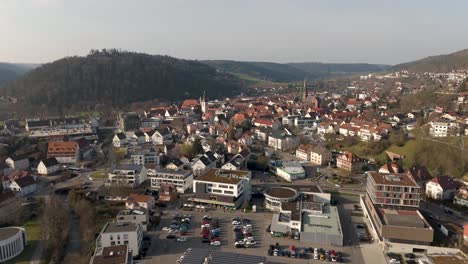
258, 71
286, 72
11, 71
440, 63
117, 78
338, 68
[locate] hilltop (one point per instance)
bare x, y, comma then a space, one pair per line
441, 63
117, 78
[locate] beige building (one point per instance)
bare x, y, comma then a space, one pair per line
397, 189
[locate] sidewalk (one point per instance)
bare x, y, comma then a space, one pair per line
372, 253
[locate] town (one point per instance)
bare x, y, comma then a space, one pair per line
304, 176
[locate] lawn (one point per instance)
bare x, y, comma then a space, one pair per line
33, 236
100, 174
408, 151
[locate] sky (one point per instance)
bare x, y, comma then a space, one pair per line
351, 31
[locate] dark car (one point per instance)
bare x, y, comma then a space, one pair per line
410, 255
268, 229
170, 236
410, 261
447, 211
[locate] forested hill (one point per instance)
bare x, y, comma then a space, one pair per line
441, 63
118, 78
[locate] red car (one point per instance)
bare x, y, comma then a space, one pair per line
332, 252
292, 248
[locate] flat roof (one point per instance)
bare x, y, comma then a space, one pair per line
223, 176
405, 218
113, 227
328, 222
8, 232
398, 179
281, 192
111, 255
198, 255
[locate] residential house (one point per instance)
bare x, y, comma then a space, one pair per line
48, 166
320, 155
19, 162
24, 185
8, 178
119, 140
202, 164
127, 174
282, 140
441, 188
64, 152
238, 162
349, 162
140, 201
303, 151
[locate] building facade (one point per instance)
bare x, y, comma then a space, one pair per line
130, 175
182, 179
12, 243
123, 233
397, 189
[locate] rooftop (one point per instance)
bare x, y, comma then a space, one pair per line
281, 192
405, 218
113, 227
198, 255
327, 222
223, 176
111, 255
8, 232
398, 179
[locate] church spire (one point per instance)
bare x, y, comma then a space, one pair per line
304, 89
203, 103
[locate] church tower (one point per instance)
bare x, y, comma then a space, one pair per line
203, 103
304, 89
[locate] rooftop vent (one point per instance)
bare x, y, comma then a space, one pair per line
393, 177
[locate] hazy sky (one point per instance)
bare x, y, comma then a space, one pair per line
374, 31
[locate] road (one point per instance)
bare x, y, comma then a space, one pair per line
438, 210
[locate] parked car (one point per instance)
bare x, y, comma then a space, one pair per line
170, 236
410, 255
215, 243
182, 239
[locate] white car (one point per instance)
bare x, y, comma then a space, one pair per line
235, 222
316, 256
276, 252
182, 239
166, 229
394, 261
250, 243
215, 243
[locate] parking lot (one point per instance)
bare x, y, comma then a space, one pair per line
163, 250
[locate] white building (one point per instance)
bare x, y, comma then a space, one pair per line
282, 140
441, 188
182, 179
202, 164
135, 216
23, 185
124, 233
48, 166
228, 188
12, 242
127, 174
289, 171
20, 162
119, 140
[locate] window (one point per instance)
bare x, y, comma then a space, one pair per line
125, 236
228, 192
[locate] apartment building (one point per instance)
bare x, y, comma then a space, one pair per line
230, 188
320, 155
123, 233
398, 189
182, 179
64, 152
139, 217
130, 175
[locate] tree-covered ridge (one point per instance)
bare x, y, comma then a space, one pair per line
440, 63
10, 71
118, 78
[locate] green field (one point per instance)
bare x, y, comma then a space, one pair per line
100, 174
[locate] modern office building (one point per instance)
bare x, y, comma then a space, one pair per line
182, 179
